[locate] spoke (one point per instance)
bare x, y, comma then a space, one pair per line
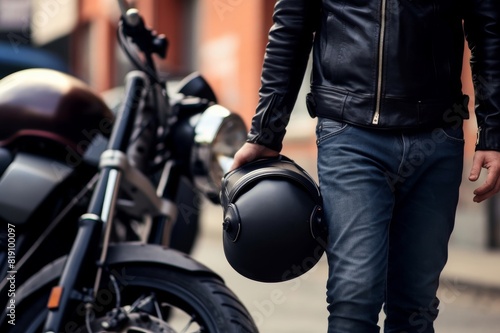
136, 303
158, 310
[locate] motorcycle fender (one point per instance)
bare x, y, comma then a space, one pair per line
154, 254
126, 253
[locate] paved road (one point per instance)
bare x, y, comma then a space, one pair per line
299, 306
465, 310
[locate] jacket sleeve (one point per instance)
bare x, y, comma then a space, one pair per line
482, 30
285, 61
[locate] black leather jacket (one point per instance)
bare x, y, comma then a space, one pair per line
388, 64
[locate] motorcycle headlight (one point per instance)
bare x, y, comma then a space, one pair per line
218, 134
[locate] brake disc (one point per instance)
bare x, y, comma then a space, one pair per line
136, 323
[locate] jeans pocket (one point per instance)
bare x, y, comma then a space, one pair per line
327, 128
453, 134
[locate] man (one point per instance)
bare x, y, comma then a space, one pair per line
386, 88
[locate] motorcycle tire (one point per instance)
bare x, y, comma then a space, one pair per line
191, 302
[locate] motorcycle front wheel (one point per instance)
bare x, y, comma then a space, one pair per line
151, 300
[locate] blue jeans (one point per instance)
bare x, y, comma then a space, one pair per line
390, 199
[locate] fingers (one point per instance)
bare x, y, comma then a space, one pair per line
240, 158
489, 160
477, 164
246, 154
250, 152
490, 187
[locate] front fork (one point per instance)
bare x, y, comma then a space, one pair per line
84, 251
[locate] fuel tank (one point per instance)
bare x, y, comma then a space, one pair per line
45, 104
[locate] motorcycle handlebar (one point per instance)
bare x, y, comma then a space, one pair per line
147, 40
124, 7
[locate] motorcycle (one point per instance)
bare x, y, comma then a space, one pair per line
89, 199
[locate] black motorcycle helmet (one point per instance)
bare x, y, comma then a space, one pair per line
272, 229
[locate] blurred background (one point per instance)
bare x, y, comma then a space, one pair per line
225, 41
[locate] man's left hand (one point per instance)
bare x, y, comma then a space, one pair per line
490, 160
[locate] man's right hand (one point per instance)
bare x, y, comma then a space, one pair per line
250, 152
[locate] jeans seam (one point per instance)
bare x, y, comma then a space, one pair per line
386, 297
403, 155
452, 138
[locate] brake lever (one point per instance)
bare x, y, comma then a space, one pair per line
146, 39
123, 7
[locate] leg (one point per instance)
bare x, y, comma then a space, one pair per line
419, 233
358, 203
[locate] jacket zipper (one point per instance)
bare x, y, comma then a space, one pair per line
378, 101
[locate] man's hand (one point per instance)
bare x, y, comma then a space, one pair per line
250, 152
490, 160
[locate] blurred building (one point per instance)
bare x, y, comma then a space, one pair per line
223, 39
